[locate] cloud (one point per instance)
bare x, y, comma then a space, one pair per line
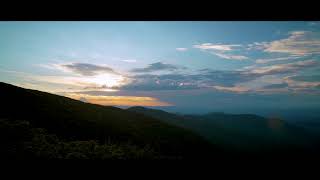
219, 47
257, 46
118, 100
71, 83
151, 82
302, 82
268, 78
204, 78
253, 79
268, 60
233, 80
232, 57
158, 66
258, 84
244, 80
314, 23
181, 49
305, 87
307, 78
86, 69
129, 60
237, 89
298, 43
221, 50
91, 77
276, 86
282, 68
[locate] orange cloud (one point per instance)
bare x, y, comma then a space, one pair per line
118, 100
238, 89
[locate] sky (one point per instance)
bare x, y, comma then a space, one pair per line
181, 66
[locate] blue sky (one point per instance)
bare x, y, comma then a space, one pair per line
195, 65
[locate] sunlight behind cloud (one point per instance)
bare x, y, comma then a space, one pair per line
106, 80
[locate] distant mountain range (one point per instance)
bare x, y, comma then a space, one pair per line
35, 124
241, 132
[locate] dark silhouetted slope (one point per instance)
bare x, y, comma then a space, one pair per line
72, 120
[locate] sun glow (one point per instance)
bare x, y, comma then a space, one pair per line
106, 80
118, 100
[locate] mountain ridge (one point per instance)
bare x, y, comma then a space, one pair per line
75, 120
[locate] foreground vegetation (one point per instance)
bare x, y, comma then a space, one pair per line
22, 141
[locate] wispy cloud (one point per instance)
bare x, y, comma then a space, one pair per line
301, 83
118, 100
268, 60
237, 89
315, 23
158, 66
86, 69
221, 50
307, 78
231, 57
282, 68
276, 86
219, 47
257, 46
298, 43
181, 49
129, 60
270, 78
